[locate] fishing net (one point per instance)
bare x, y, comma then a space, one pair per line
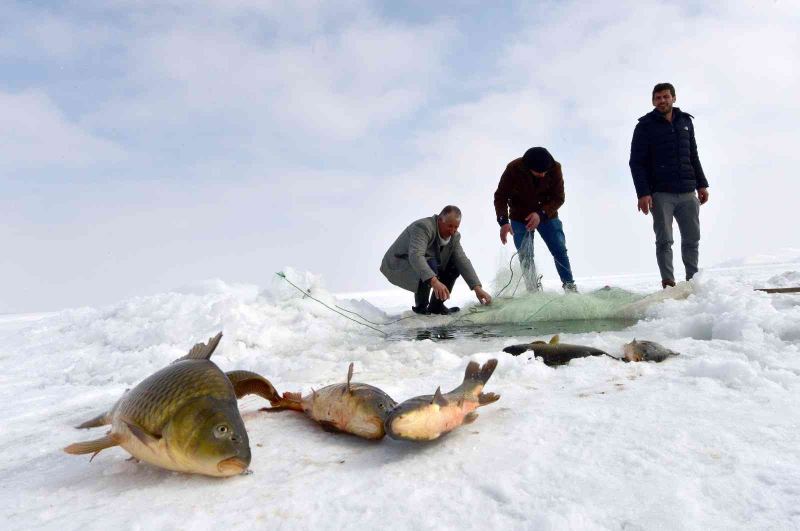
520, 274
604, 303
520, 299
530, 274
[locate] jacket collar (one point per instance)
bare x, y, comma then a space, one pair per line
656, 116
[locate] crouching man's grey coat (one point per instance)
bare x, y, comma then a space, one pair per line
405, 264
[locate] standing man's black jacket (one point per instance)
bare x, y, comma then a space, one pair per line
664, 155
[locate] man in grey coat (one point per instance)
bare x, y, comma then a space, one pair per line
428, 256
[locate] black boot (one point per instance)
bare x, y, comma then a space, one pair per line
447, 277
421, 299
437, 307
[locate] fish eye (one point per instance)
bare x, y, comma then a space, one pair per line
221, 431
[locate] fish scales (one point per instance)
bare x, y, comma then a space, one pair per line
158, 397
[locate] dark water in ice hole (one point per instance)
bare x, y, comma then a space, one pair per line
539, 330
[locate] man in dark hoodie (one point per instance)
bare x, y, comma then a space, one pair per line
532, 189
667, 172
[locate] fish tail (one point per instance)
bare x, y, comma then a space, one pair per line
488, 369
100, 420
93, 447
479, 373
292, 401
476, 376
250, 383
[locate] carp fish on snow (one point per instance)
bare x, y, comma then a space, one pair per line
555, 353
356, 408
425, 418
644, 350
183, 417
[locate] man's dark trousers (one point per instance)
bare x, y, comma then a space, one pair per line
446, 276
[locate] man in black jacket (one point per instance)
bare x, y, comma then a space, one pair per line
666, 172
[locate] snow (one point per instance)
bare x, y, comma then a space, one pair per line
707, 440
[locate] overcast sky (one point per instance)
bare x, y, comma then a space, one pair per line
145, 147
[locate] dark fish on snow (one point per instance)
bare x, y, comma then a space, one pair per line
643, 350
554, 352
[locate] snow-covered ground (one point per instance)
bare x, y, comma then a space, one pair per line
708, 440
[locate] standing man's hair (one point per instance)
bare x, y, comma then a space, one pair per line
450, 209
664, 86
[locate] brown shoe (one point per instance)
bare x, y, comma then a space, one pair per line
667, 284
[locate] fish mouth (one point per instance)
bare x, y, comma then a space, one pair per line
232, 466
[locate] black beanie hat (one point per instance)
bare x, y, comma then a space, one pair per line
538, 159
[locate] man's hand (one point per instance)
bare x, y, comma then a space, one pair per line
504, 230
483, 297
702, 195
646, 204
532, 221
439, 289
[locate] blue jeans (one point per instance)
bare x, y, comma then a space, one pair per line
552, 232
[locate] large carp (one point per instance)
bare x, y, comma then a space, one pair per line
644, 350
425, 418
555, 353
183, 417
356, 408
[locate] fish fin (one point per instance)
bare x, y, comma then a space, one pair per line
516, 350
202, 351
142, 434
555, 340
93, 447
349, 376
438, 398
470, 417
100, 420
250, 383
329, 426
487, 398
